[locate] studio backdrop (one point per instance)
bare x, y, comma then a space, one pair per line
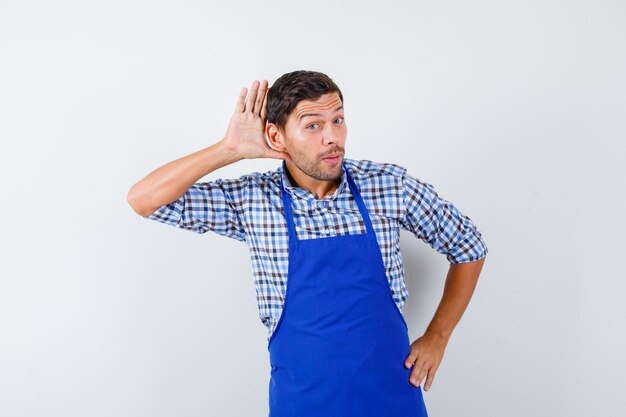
513, 110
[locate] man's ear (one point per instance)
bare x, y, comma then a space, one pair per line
274, 137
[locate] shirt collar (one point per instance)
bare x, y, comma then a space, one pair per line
306, 194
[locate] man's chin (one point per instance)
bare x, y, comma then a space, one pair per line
335, 172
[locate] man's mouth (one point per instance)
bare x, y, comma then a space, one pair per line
333, 157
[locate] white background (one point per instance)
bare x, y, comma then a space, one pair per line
513, 110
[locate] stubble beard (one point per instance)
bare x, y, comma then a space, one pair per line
315, 169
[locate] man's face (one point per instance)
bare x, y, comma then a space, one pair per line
314, 131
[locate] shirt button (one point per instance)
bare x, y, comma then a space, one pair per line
327, 231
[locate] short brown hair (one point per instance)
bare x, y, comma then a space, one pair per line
291, 88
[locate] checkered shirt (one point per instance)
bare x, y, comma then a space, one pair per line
250, 209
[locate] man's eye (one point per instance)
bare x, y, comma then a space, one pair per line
339, 119
312, 124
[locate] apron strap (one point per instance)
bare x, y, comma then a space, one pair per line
355, 193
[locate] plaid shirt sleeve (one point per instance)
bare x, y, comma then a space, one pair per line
215, 205
439, 223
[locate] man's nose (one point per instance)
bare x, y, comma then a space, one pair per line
331, 134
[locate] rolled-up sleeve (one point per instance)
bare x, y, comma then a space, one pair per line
208, 206
439, 223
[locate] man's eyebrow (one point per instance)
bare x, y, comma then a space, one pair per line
302, 116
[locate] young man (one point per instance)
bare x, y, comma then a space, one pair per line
324, 237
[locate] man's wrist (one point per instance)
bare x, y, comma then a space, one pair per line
227, 153
438, 333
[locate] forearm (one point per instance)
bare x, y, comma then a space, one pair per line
172, 180
459, 287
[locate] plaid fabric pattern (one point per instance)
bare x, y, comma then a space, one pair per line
250, 209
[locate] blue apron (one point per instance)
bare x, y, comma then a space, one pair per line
340, 344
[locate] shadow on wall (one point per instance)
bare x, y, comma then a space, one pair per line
425, 273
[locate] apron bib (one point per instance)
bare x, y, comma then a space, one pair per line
340, 344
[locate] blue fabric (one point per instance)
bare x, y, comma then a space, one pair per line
341, 342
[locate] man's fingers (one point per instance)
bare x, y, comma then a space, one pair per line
252, 96
422, 373
426, 369
239, 107
258, 104
416, 372
429, 379
264, 108
410, 360
427, 359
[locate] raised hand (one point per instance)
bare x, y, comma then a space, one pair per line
246, 130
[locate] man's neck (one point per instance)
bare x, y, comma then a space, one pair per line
319, 188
